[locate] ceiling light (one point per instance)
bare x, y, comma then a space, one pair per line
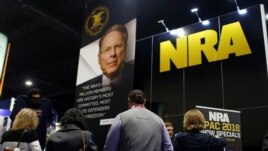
28, 83
241, 12
162, 22
195, 10
178, 32
205, 22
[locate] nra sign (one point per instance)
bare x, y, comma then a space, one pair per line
233, 35
188, 49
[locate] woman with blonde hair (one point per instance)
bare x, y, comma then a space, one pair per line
194, 140
22, 134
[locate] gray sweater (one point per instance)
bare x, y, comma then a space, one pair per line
141, 129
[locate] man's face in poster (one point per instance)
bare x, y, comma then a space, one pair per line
112, 53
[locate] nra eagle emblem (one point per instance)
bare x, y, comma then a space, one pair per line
97, 20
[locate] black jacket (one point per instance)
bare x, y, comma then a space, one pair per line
69, 138
197, 141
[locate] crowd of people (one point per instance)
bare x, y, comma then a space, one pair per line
133, 130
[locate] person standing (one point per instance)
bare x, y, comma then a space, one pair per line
192, 139
73, 135
23, 131
138, 129
170, 130
41, 106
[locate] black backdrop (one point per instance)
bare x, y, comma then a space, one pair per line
238, 83
231, 84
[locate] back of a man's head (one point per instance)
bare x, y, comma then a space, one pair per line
34, 93
137, 96
167, 124
34, 98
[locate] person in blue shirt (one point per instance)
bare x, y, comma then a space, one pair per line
138, 129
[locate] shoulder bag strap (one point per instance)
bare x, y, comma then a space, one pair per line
21, 138
83, 140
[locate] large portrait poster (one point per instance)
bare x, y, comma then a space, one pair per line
106, 64
223, 123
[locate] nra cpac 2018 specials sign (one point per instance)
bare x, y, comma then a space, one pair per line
223, 123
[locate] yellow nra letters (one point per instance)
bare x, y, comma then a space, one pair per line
232, 41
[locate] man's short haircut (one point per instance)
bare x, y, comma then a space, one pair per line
194, 120
167, 124
117, 27
136, 96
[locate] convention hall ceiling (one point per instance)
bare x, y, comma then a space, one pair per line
45, 41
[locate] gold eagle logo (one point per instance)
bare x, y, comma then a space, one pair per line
97, 20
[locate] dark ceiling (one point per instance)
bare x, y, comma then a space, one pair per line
45, 41
45, 38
